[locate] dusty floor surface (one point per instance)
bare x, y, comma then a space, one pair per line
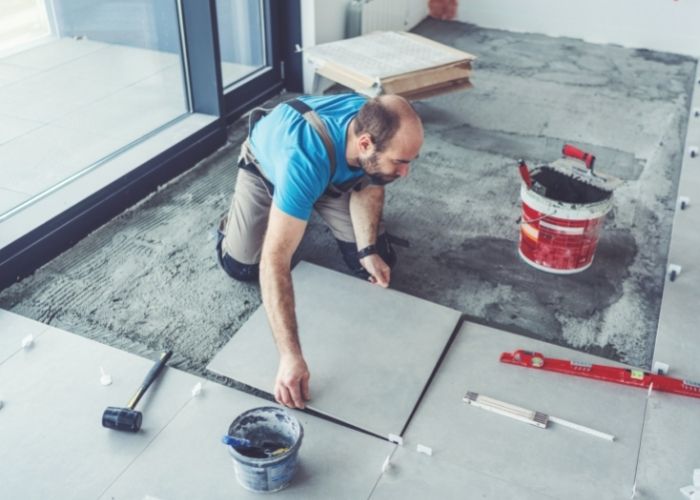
149, 278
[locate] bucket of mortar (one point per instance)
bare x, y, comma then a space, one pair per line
562, 215
275, 435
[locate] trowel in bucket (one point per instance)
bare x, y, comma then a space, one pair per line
260, 450
579, 164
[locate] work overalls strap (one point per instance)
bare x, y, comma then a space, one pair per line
320, 127
247, 160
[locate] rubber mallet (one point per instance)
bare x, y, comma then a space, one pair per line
128, 419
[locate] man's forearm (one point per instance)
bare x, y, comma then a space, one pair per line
366, 208
278, 299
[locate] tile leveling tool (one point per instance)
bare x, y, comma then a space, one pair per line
127, 419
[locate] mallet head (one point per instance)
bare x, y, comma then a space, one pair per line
122, 419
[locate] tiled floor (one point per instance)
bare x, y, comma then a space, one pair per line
68, 104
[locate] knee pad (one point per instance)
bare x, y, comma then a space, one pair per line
235, 269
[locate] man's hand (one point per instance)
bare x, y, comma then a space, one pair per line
380, 272
292, 383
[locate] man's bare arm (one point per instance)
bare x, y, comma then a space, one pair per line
284, 233
366, 208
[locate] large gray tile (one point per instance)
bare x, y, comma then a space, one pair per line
47, 155
669, 451
188, 461
414, 476
12, 127
676, 339
370, 350
52, 93
558, 461
232, 72
53, 53
53, 443
11, 73
132, 112
13, 329
10, 199
120, 64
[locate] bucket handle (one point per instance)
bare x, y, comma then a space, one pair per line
521, 220
525, 173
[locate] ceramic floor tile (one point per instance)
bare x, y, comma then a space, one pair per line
129, 113
11, 73
63, 152
187, 459
370, 350
416, 476
232, 72
120, 64
10, 199
669, 452
560, 461
53, 443
50, 94
13, 329
676, 339
53, 53
12, 127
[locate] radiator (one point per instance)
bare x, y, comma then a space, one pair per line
366, 16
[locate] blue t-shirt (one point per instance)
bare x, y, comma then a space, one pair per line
292, 155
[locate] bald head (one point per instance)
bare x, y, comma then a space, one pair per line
386, 116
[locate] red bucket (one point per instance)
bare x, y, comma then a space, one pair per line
559, 237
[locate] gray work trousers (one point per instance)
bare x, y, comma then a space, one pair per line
250, 208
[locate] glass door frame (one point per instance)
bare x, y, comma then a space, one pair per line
201, 57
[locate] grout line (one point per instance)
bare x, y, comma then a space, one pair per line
228, 382
456, 330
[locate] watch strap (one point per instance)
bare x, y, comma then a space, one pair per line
368, 250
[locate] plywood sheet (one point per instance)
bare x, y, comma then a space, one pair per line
187, 459
53, 443
370, 350
558, 461
392, 62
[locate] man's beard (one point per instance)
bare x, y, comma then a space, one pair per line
371, 167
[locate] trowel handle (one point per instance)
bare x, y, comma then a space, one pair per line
525, 173
574, 152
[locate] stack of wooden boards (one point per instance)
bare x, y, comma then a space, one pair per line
393, 62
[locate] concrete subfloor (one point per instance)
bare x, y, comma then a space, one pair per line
149, 278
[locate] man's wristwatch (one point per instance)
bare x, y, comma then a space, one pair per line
368, 250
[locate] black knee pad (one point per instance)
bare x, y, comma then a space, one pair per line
235, 269
349, 251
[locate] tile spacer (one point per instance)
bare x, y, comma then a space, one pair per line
197, 389
395, 439
660, 368
673, 271
426, 450
28, 342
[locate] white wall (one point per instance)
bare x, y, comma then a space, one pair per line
665, 25
324, 21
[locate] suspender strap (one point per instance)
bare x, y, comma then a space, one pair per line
320, 127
